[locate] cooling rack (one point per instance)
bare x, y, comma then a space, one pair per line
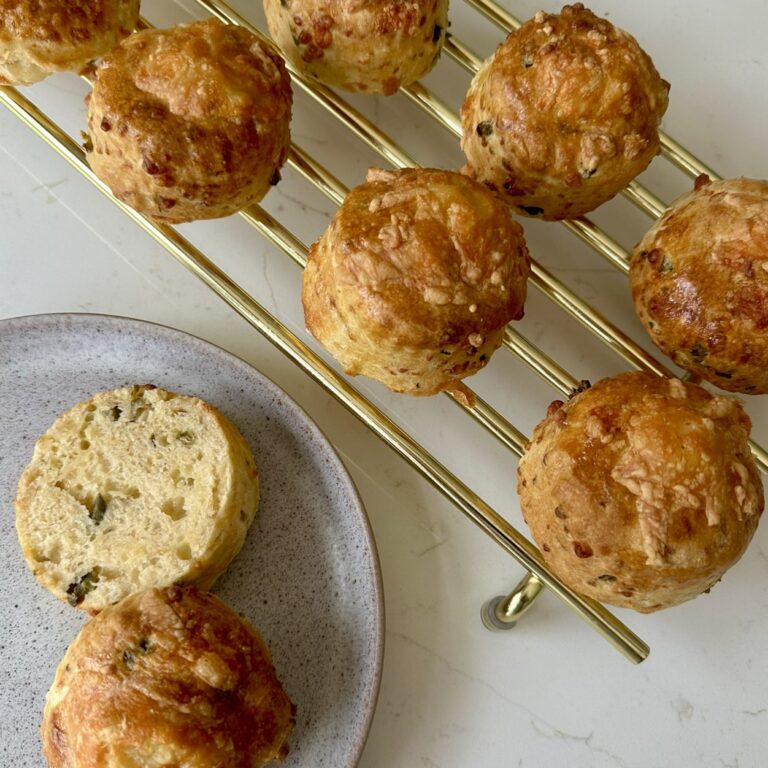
501, 612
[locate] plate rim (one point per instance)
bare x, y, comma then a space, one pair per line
309, 422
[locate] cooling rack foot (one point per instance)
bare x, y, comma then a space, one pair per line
504, 611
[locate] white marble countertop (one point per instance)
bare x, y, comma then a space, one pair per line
550, 692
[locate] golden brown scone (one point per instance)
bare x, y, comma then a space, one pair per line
190, 122
700, 283
415, 279
167, 677
38, 37
641, 491
563, 115
136, 487
359, 45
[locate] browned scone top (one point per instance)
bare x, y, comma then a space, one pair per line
563, 115
641, 491
38, 37
190, 122
700, 283
415, 279
360, 45
167, 677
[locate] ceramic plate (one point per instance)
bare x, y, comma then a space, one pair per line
307, 578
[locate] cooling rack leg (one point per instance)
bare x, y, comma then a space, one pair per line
504, 611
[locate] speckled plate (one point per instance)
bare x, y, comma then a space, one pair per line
307, 578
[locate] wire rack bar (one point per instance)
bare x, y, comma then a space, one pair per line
620, 636
618, 341
645, 200
498, 15
314, 173
761, 456
505, 432
548, 369
677, 154
276, 233
598, 240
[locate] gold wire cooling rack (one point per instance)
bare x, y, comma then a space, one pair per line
502, 611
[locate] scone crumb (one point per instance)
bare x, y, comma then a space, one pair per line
677, 389
475, 339
212, 669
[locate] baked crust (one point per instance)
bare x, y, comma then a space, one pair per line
563, 115
415, 279
699, 282
641, 491
133, 488
360, 45
168, 677
190, 122
38, 37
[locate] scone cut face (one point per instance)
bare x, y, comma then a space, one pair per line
563, 115
360, 45
134, 488
699, 282
415, 279
641, 491
40, 37
190, 122
167, 677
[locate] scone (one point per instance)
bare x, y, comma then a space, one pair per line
563, 115
167, 677
39, 37
641, 491
134, 488
190, 122
372, 46
699, 281
415, 279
